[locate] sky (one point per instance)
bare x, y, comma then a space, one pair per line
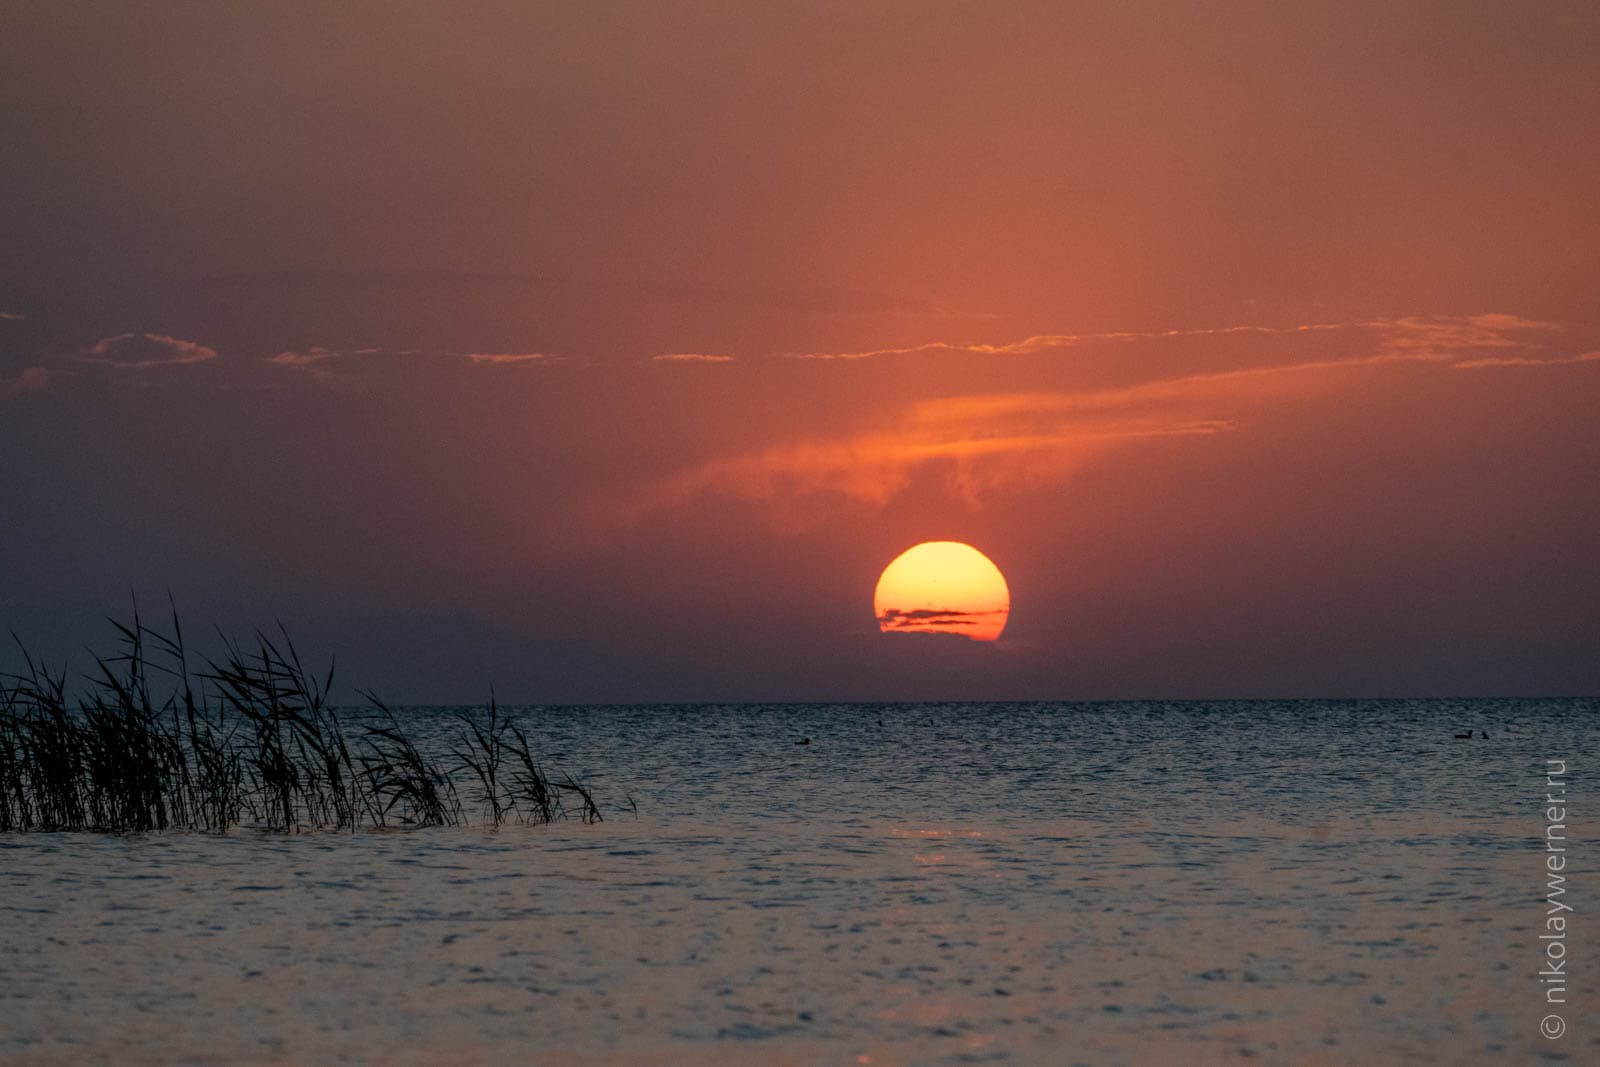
609, 352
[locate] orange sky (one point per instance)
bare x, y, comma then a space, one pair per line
610, 352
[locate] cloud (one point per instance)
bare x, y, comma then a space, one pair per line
1526, 361
1414, 334
11, 316
1443, 336
988, 442
314, 361
503, 358
140, 351
308, 358
322, 362
1037, 343
1040, 441
690, 357
1045, 341
896, 619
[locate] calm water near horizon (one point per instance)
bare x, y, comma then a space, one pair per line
1293, 881
1078, 760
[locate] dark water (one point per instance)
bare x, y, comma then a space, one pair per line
1292, 761
1280, 882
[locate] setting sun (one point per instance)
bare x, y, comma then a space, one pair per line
942, 587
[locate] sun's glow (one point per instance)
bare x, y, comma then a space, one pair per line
942, 587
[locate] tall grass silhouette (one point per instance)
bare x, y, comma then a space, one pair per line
248, 739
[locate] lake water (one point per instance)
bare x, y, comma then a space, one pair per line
1305, 882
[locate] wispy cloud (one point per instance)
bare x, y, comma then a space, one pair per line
503, 358
314, 361
690, 357
1526, 361
328, 364
1045, 341
1036, 343
1445, 336
309, 358
11, 316
869, 467
141, 351
1412, 334
1037, 444
893, 618
986, 442
144, 353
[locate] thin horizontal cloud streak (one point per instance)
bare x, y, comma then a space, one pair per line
506, 358
873, 468
1526, 361
308, 358
328, 364
1446, 335
894, 618
996, 440
1046, 341
141, 351
312, 362
1464, 342
150, 352
1036, 343
1411, 333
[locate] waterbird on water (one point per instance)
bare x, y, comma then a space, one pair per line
1464, 737
803, 741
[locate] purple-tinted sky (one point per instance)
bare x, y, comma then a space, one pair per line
610, 351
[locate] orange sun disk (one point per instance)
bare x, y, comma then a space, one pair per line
942, 587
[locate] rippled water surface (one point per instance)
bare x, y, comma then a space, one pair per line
1039, 883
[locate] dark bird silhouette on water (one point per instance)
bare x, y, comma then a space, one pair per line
1484, 734
803, 741
1464, 737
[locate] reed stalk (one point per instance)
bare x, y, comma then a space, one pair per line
249, 740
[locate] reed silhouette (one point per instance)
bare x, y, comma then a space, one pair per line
249, 739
